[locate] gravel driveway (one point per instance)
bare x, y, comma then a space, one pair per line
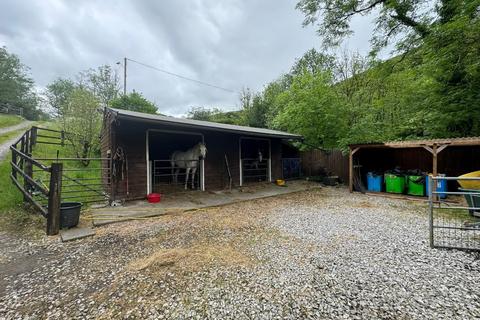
311, 255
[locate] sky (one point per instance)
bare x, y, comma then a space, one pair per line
233, 44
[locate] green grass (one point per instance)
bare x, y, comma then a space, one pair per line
8, 120
17, 217
14, 215
10, 135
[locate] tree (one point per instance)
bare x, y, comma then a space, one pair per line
82, 122
411, 21
134, 102
103, 82
202, 113
17, 88
254, 110
312, 108
57, 94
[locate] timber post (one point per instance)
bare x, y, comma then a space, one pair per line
54, 199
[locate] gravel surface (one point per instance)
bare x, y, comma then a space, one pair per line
311, 255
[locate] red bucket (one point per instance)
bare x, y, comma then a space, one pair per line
154, 197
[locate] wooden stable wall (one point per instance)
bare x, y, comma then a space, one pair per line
131, 136
315, 162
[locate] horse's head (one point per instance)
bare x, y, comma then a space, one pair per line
202, 150
260, 156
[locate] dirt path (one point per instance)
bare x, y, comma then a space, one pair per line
19, 126
4, 147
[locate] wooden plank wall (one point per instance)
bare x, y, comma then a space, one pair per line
315, 162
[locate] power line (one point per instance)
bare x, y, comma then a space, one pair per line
181, 77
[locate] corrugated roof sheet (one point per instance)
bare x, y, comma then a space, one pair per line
205, 124
425, 142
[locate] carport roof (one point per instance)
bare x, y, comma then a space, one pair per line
206, 125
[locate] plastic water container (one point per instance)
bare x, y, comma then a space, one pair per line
394, 183
441, 186
415, 185
374, 182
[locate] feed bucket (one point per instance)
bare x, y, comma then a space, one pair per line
69, 214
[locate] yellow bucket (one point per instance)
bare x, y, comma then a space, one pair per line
280, 182
470, 184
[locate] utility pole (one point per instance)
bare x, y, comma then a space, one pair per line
125, 76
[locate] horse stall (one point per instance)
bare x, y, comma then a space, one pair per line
173, 162
255, 164
173, 155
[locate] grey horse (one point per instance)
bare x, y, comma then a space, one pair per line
187, 160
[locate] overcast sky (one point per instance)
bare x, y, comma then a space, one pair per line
229, 43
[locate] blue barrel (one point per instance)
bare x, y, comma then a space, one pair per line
374, 182
441, 186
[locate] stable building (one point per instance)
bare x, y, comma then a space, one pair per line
141, 146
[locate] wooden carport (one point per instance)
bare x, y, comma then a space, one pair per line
468, 150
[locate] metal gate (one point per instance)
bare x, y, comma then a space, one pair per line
454, 224
254, 170
291, 168
166, 177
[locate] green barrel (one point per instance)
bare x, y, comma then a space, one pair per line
394, 183
416, 185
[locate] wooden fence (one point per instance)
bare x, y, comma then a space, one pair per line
44, 191
330, 162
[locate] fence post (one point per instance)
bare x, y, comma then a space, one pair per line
54, 199
33, 137
430, 209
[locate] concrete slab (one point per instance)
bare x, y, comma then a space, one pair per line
76, 233
191, 200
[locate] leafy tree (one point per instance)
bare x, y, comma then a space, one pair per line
82, 122
17, 89
312, 108
134, 102
254, 110
202, 113
103, 82
411, 21
216, 115
57, 94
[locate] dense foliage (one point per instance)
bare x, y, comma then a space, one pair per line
17, 89
134, 102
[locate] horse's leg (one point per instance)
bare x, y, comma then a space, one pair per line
175, 175
187, 172
194, 171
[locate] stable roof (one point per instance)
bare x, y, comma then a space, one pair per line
206, 125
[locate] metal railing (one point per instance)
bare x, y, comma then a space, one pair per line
253, 170
165, 176
454, 224
47, 182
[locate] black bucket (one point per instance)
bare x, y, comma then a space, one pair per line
69, 214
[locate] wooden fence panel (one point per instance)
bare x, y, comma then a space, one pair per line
334, 162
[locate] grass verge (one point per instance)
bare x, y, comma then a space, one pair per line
8, 120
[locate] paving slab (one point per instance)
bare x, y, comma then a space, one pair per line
76, 233
192, 200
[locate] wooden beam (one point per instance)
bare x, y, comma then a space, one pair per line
350, 171
428, 149
355, 150
441, 148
